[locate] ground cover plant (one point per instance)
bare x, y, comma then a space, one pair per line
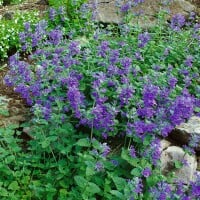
101, 99
9, 31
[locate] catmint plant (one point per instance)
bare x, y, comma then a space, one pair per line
128, 91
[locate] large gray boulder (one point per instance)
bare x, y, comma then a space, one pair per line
183, 133
173, 155
107, 12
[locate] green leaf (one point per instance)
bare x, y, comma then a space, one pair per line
178, 164
117, 194
63, 193
197, 109
147, 140
84, 142
90, 171
120, 183
133, 161
9, 159
4, 112
136, 172
13, 186
92, 188
4, 192
80, 181
52, 138
45, 143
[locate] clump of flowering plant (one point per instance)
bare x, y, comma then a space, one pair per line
134, 88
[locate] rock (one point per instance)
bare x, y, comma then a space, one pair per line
198, 163
174, 154
164, 144
8, 15
107, 12
42, 2
12, 111
184, 131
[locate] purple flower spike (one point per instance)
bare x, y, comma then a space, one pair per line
132, 152
55, 37
146, 172
189, 61
106, 150
143, 39
126, 7
52, 14
136, 2
125, 95
177, 22
99, 166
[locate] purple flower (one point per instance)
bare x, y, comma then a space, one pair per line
166, 130
125, 95
172, 82
114, 57
35, 89
61, 10
126, 7
103, 49
46, 110
194, 140
71, 81
143, 39
99, 166
138, 185
150, 93
189, 61
112, 70
141, 128
27, 26
100, 78
126, 63
162, 191
182, 108
115, 162
52, 14
23, 90
75, 99
147, 112
105, 150
22, 37
138, 56
177, 22
55, 36
103, 117
167, 51
153, 151
136, 2
196, 190
74, 48
146, 172
132, 151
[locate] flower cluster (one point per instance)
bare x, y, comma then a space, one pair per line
177, 22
